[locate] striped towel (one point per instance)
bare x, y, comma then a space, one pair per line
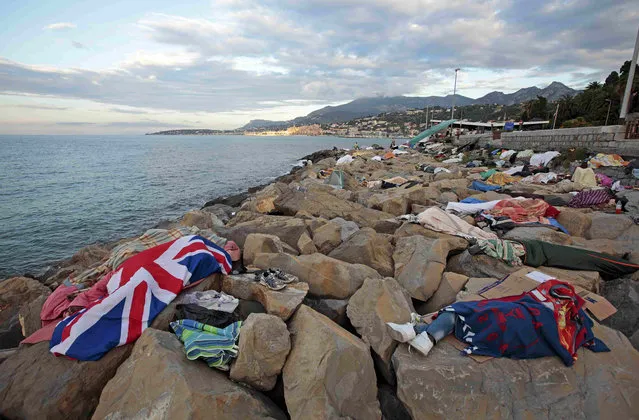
215, 345
590, 198
149, 239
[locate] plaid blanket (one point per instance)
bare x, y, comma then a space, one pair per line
508, 251
216, 346
149, 239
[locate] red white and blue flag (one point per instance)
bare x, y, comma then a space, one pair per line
137, 292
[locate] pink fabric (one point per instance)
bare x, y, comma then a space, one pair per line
97, 291
604, 180
56, 304
43, 334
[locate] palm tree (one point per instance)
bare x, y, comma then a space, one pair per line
593, 86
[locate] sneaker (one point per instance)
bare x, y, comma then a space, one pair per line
415, 318
282, 276
270, 282
401, 332
422, 343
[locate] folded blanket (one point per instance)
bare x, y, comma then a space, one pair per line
216, 346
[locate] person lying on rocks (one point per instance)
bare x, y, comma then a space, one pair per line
547, 321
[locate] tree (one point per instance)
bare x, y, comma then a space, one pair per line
593, 86
612, 79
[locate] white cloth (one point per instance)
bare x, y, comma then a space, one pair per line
399, 152
514, 170
345, 160
525, 154
508, 153
438, 220
438, 170
377, 158
211, 299
541, 178
542, 159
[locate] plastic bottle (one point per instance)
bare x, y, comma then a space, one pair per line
618, 207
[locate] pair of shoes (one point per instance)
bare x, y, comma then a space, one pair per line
266, 279
282, 276
422, 343
406, 333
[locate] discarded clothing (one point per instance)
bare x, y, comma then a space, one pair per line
487, 174
481, 186
344, 160
602, 159
540, 253
540, 178
501, 179
206, 316
377, 158
525, 154
514, 170
137, 292
505, 250
472, 208
521, 210
590, 198
472, 200
211, 299
542, 159
604, 180
438, 170
507, 154
585, 177
438, 220
216, 346
558, 225
396, 180
531, 325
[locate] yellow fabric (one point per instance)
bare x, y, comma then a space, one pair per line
501, 179
585, 177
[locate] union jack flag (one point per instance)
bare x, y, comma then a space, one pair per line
137, 292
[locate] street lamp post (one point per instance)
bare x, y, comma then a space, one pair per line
631, 76
608, 113
452, 109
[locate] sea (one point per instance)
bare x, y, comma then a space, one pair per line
61, 193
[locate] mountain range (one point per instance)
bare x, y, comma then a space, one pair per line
365, 107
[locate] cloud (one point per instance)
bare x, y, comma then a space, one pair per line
42, 107
79, 45
245, 56
60, 26
74, 123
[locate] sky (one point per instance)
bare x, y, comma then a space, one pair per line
121, 66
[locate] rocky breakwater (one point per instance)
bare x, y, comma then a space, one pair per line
320, 348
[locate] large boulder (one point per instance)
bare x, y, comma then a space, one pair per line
333, 309
158, 381
29, 315
221, 211
539, 233
262, 201
327, 237
388, 226
451, 284
576, 222
329, 372
258, 243
201, 219
263, 347
326, 276
282, 303
608, 226
324, 204
420, 263
34, 384
348, 227
447, 385
305, 244
412, 229
15, 294
623, 293
83, 259
369, 248
479, 265
288, 229
377, 302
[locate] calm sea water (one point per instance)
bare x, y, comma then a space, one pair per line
61, 193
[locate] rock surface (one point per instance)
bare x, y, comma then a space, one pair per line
377, 302
158, 381
327, 237
451, 284
15, 294
282, 303
288, 229
447, 385
326, 276
329, 372
201, 219
369, 248
257, 243
263, 346
608, 226
35, 384
623, 293
420, 263
333, 309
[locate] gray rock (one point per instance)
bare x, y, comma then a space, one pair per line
369, 248
333, 309
158, 381
608, 226
348, 228
539, 233
623, 293
263, 347
448, 385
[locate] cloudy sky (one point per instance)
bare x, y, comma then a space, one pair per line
121, 66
